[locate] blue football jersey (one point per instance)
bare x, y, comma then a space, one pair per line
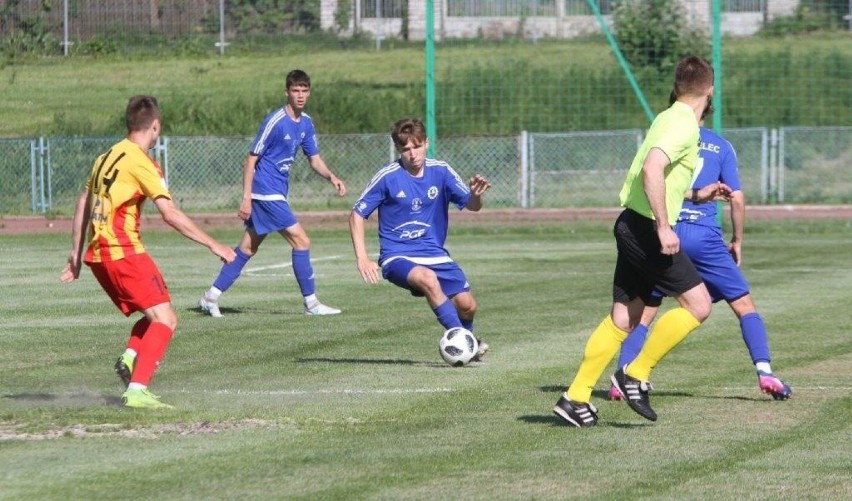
276, 145
717, 161
413, 212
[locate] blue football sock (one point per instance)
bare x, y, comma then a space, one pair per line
467, 324
754, 335
447, 315
304, 271
632, 344
230, 272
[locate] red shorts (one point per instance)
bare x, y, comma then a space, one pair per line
133, 283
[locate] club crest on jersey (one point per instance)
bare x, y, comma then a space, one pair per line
416, 205
432, 193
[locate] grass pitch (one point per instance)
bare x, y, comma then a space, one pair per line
273, 404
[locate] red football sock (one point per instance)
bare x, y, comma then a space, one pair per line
151, 351
135, 341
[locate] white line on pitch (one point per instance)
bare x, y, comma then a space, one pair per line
344, 391
289, 264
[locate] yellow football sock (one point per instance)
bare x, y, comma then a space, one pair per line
600, 348
669, 330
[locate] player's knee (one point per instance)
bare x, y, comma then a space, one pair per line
701, 311
465, 304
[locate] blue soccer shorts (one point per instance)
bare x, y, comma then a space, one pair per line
708, 251
268, 216
450, 276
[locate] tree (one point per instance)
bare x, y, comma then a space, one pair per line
656, 34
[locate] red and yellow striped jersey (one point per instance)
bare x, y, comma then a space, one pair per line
121, 180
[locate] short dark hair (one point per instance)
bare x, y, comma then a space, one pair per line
408, 129
141, 112
692, 76
297, 77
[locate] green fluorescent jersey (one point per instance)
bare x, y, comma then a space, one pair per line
675, 132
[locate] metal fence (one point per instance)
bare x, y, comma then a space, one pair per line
794, 165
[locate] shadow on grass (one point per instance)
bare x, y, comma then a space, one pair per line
555, 422
604, 394
76, 399
373, 361
228, 310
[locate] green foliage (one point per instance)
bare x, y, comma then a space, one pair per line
268, 16
810, 16
342, 16
656, 34
26, 36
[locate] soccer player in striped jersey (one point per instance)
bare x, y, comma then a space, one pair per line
265, 207
412, 196
109, 211
717, 262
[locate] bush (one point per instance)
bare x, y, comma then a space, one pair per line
809, 17
656, 34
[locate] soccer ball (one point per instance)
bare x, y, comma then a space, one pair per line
458, 346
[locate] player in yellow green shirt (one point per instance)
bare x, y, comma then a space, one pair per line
649, 254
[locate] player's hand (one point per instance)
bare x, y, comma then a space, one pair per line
714, 192
478, 185
71, 272
338, 185
669, 242
736, 250
245, 209
225, 253
369, 270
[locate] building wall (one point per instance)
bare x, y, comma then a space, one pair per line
734, 24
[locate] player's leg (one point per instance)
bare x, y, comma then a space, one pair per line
137, 285
725, 280
633, 344
602, 346
303, 270
574, 405
673, 276
126, 362
110, 277
424, 280
756, 340
230, 272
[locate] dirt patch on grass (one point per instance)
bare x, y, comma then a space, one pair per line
12, 431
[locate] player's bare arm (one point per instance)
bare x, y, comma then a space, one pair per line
737, 225
248, 177
653, 179
175, 218
478, 186
713, 192
319, 165
367, 268
78, 235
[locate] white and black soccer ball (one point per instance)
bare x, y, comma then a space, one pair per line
458, 346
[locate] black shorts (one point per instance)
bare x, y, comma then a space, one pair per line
641, 267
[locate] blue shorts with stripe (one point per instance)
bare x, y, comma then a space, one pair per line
268, 216
706, 248
450, 276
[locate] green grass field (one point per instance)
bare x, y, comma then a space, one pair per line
272, 404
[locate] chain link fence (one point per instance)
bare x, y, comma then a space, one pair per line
795, 165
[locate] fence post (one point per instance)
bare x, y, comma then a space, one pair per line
523, 177
773, 166
781, 166
764, 166
33, 154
